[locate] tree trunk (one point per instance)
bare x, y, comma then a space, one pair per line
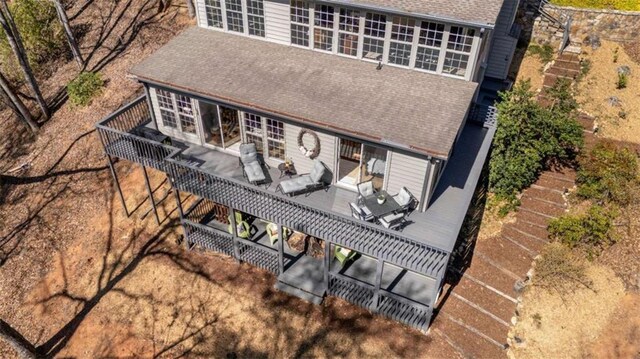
191, 9
9, 27
16, 104
62, 15
21, 345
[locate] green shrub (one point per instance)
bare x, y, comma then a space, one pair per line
608, 173
84, 87
628, 5
530, 136
623, 80
41, 32
558, 268
591, 229
544, 52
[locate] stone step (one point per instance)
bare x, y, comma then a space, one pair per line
563, 72
468, 339
505, 254
542, 206
587, 122
544, 194
486, 298
553, 184
533, 243
475, 316
562, 174
487, 274
532, 219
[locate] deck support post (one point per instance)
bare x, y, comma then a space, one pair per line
153, 202
327, 263
376, 293
176, 194
234, 232
115, 178
280, 249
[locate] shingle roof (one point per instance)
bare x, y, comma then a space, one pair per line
470, 11
405, 108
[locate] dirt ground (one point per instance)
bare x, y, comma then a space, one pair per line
531, 69
555, 325
80, 279
620, 121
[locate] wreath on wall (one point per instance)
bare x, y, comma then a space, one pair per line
311, 153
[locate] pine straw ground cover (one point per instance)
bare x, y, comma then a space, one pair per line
625, 5
81, 280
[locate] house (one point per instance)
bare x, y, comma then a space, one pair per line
381, 92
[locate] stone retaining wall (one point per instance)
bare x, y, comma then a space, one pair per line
611, 25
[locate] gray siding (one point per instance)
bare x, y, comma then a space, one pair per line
300, 161
406, 171
503, 45
276, 17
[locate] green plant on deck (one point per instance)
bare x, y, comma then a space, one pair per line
41, 32
623, 80
84, 87
608, 173
591, 230
529, 137
543, 52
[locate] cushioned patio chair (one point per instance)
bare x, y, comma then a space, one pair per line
365, 189
307, 182
243, 228
406, 200
343, 255
251, 164
360, 212
393, 221
272, 232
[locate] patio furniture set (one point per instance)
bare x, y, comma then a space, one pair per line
389, 211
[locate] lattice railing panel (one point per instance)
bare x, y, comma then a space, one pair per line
414, 315
360, 294
208, 238
261, 258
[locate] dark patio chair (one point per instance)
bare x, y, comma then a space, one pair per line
393, 221
365, 189
406, 200
361, 212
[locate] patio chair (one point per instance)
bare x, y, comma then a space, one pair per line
272, 232
243, 228
392, 221
343, 255
406, 200
251, 164
365, 189
360, 212
307, 182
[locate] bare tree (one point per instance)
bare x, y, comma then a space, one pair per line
16, 104
62, 15
191, 9
11, 31
20, 344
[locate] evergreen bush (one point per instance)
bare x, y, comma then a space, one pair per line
84, 87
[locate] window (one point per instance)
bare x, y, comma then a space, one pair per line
253, 130
323, 30
429, 44
214, 13
167, 111
300, 23
458, 47
255, 17
374, 32
185, 112
275, 139
348, 29
234, 15
401, 40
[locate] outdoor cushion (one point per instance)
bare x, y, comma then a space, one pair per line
254, 172
365, 188
248, 153
317, 172
391, 220
296, 184
403, 197
376, 166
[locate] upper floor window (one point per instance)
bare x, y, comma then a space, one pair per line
429, 44
234, 15
214, 13
374, 32
255, 17
401, 40
459, 47
265, 131
300, 23
323, 30
348, 31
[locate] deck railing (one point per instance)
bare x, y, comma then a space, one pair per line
376, 241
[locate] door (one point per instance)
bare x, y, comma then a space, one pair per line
229, 126
349, 163
360, 162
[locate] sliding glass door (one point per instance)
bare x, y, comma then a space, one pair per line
358, 162
221, 125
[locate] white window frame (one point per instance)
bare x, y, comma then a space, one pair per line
264, 135
178, 131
